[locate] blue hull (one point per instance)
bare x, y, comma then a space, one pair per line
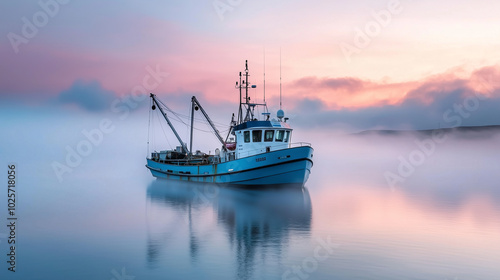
288, 166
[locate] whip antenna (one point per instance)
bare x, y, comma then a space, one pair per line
280, 78
264, 75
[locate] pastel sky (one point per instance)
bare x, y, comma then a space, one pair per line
363, 64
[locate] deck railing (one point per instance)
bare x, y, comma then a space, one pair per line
217, 159
300, 144
274, 148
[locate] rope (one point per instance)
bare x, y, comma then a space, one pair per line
164, 133
149, 125
178, 118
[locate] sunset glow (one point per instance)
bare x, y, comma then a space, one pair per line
409, 49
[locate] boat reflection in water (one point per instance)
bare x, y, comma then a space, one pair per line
190, 224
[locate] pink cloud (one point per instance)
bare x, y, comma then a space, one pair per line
351, 92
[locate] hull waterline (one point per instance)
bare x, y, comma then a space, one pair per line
282, 167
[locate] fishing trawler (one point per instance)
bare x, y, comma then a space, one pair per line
255, 152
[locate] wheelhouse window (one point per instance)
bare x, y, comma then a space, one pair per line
246, 136
287, 136
256, 135
269, 136
279, 135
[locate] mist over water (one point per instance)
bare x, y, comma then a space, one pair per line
110, 217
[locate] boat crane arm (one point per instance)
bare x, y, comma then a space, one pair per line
195, 103
169, 123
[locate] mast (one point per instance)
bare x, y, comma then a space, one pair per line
155, 101
249, 114
246, 81
192, 125
246, 90
195, 106
240, 113
280, 78
264, 75
245, 104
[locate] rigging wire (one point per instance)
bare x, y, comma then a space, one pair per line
187, 117
153, 140
202, 130
149, 125
173, 119
196, 119
188, 127
180, 116
170, 110
164, 133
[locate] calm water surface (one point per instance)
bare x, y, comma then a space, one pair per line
109, 219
